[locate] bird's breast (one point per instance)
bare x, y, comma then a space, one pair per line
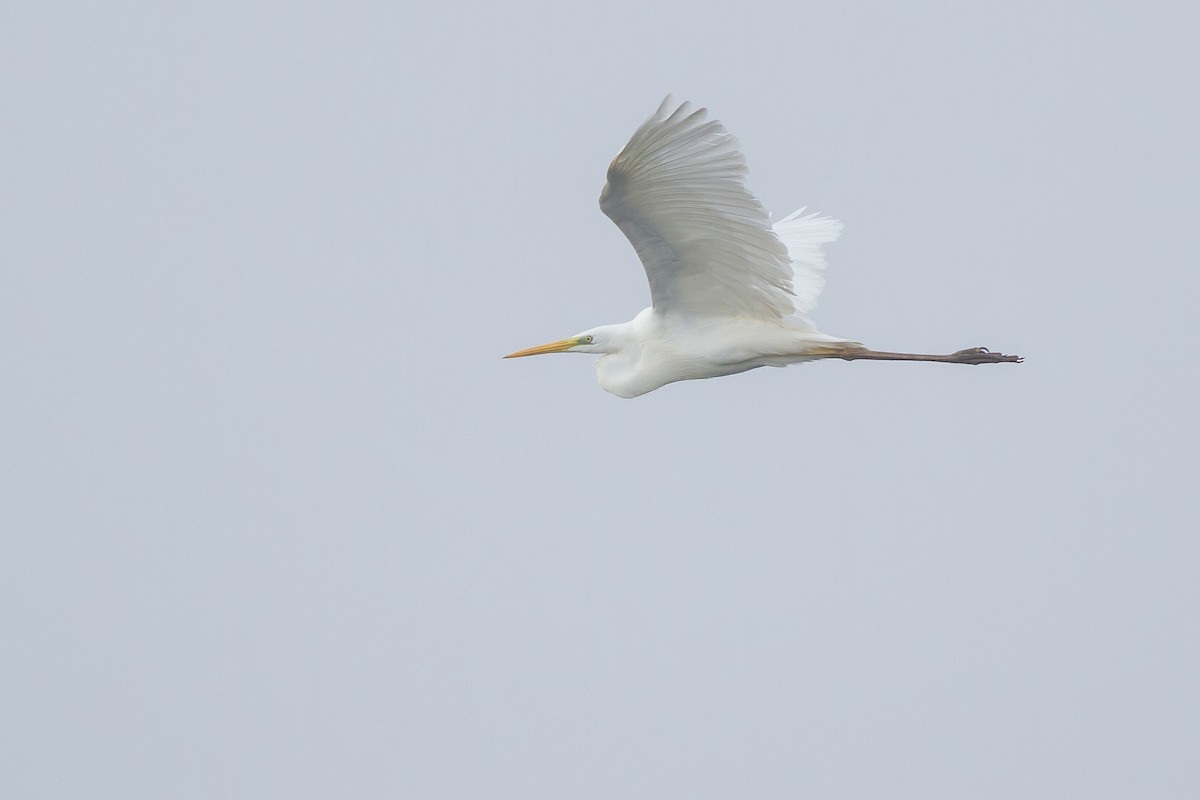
627, 375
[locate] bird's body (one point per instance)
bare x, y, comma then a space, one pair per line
654, 349
729, 289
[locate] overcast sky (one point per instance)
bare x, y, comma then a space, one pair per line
276, 520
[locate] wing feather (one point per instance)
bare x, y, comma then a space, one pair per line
677, 191
804, 236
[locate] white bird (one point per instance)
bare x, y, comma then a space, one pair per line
729, 290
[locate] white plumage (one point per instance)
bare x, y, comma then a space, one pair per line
728, 289
803, 237
678, 192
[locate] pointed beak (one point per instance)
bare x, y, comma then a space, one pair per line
561, 346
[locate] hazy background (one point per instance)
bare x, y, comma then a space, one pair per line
277, 520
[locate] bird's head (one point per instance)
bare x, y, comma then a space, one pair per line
596, 340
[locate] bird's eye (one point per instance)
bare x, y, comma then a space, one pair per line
587, 340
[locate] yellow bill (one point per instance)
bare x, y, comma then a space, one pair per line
561, 346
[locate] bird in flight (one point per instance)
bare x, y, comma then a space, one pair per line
729, 290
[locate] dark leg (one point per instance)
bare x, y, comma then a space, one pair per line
973, 355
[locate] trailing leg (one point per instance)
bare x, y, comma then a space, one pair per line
972, 355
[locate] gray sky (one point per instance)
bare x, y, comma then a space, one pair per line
279, 522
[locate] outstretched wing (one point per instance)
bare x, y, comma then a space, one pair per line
678, 192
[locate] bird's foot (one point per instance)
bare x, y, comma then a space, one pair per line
981, 355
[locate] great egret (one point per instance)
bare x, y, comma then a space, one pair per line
729, 290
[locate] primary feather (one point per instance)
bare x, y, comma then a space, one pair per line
677, 191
